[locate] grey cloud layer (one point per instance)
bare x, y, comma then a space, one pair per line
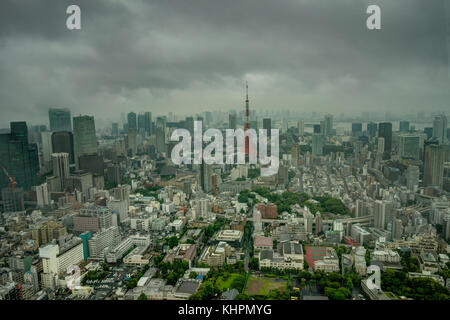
189, 55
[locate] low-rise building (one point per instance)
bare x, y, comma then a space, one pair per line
291, 257
260, 242
428, 261
232, 237
389, 256
216, 255
329, 262
136, 257
359, 258
427, 274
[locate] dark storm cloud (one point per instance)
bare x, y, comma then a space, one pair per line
184, 56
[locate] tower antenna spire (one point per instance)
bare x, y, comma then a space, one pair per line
246, 89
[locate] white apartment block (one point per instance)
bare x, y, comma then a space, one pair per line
56, 260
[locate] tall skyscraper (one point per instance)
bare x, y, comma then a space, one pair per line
318, 141
397, 229
295, 155
132, 132
316, 128
115, 129
189, 123
409, 146
141, 123
232, 121
161, 134
206, 177
208, 118
428, 131
434, 166
380, 145
328, 124
301, 128
18, 157
42, 195
61, 168
47, 150
356, 129
440, 128
372, 129
412, 178
383, 213
404, 126
385, 131
59, 119
132, 120
148, 123
131, 139
323, 127
63, 142
84, 137
267, 125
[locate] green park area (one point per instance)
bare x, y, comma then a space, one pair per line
225, 284
262, 286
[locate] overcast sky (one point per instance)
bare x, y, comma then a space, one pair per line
194, 55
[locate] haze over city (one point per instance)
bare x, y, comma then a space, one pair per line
193, 56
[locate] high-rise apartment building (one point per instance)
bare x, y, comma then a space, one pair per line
42, 195
92, 218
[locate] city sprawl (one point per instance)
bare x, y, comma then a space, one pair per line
105, 214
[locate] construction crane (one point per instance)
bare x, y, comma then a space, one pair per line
12, 180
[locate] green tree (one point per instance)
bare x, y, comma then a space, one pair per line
242, 296
349, 284
253, 263
173, 241
142, 296
238, 283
